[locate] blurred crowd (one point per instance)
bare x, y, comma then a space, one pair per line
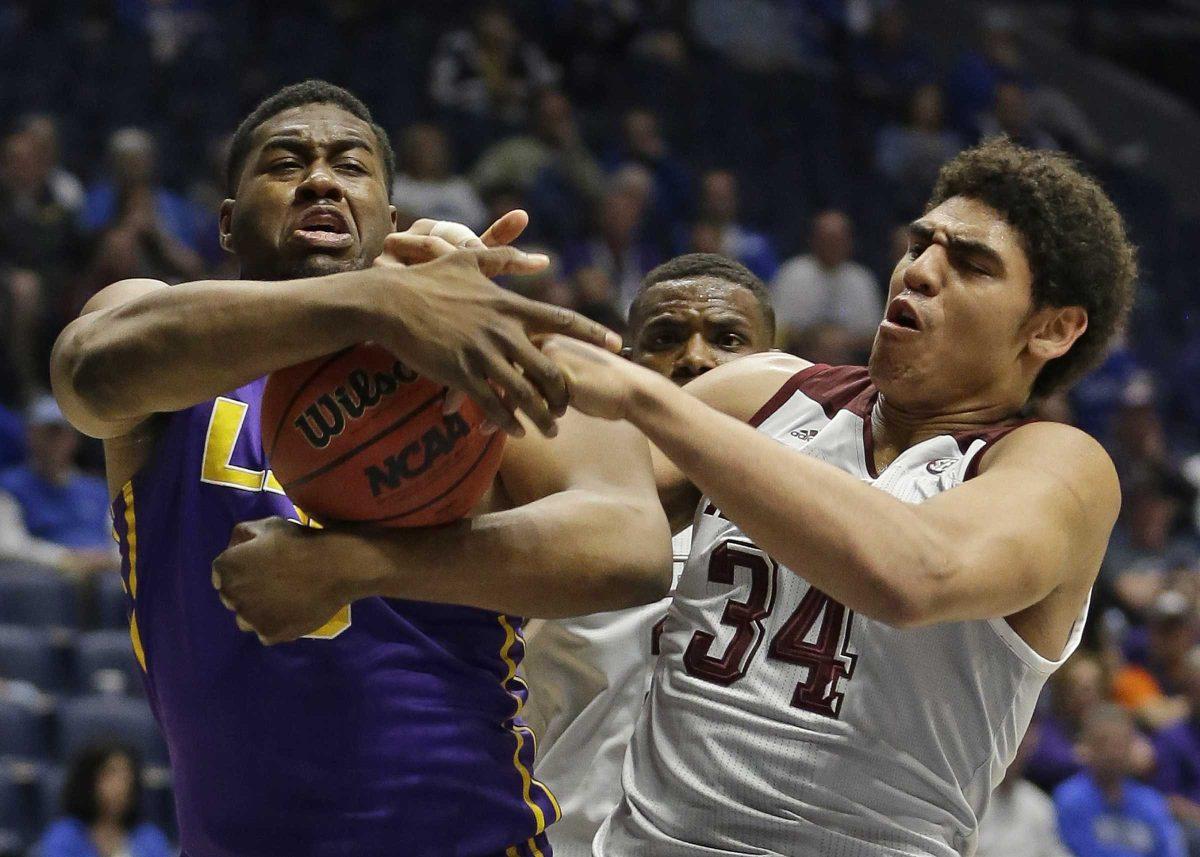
796, 136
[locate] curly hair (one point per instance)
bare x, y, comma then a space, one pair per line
1072, 235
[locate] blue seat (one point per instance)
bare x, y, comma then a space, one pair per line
85, 719
34, 595
111, 610
22, 732
101, 657
33, 655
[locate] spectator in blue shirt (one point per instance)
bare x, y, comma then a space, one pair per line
718, 211
12, 438
1102, 811
50, 512
101, 804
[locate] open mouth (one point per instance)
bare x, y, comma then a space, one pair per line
324, 228
901, 314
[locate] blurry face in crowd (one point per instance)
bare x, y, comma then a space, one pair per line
132, 158
960, 330
684, 328
114, 787
426, 152
311, 199
23, 169
1012, 111
1079, 688
832, 238
641, 133
1170, 639
52, 449
719, 196
495, 29
927, 108
620, 215
1107, 747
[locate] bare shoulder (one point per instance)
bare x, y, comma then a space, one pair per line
741, 387
121, 292
1065, 454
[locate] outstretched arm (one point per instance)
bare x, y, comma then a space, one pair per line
142, 348
585, 534
1036, 518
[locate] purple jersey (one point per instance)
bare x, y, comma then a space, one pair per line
392, 730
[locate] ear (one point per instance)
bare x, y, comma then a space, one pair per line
225, 226
1053, 330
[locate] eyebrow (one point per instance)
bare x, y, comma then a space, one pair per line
294, 142
958, 245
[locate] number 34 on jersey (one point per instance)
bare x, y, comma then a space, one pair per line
751, 628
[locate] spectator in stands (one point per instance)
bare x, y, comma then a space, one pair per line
643, 143
39, 248
1010, 117
1153, 537
618, 248
12, 439
489, 70
972, 84
1150, 684
1177, 757
65, 189
891, 61
50, 512
101, 804
1080, 685
718, 209
1020, 820
1103, 811
550, 166
132, 190
826, 287
909, 155
426, 187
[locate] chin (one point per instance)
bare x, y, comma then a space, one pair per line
320, 265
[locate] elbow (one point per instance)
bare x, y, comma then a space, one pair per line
643, 573
88, 380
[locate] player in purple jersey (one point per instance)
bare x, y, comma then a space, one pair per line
394, 727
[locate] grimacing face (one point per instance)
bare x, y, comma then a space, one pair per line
311, 199
683, 328
960, 330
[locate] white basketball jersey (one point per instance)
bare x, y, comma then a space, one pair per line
588, 677
781, 723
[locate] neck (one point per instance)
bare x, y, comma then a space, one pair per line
895, 428
1110, 788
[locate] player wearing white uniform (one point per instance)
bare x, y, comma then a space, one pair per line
588, 675
884, 570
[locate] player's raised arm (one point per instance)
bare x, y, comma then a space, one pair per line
1036, 519
586, 534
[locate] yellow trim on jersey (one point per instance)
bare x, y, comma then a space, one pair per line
527, 780
131, 536
136, 636
131, 543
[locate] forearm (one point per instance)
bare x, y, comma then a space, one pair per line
177, 346
858, 545
568, 554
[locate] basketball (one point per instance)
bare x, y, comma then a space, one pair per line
358, 436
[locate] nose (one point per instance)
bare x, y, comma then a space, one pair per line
924, 274
320, 182
696, 359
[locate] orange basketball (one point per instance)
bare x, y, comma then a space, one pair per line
358, 436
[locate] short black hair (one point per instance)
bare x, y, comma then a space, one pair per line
79, 786
1071, 232
692, 266
299, 95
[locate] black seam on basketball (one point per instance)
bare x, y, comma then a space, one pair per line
382, 433
300, 388
430, 502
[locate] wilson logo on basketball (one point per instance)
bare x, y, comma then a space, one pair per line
418, 456
326, 418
